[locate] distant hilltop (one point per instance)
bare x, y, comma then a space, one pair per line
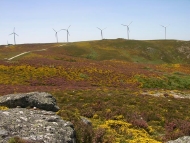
139, 51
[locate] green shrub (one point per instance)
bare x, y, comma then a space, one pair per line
167, 82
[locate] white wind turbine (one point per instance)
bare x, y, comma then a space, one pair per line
127, 29
14, 35
101, 31
56, 34
68, 34
165, 29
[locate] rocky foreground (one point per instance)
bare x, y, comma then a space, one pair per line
32, 117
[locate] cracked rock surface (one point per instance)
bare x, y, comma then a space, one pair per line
35, 125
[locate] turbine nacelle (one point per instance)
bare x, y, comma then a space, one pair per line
164, 26
101, 29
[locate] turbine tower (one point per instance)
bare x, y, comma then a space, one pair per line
67, 33
101, 31
56, 34
14, 35
127, 29
165, 29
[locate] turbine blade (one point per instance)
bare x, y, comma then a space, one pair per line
54, 30
99, 28
59, 30
130, 23
16, 34
104, 28
68, 33
11, 34
14, 29
123, 25
69, 26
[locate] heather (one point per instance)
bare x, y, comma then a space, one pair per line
128, 92
125, 116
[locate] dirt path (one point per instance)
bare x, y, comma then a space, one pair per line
24, 53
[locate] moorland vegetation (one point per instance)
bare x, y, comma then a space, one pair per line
104, 81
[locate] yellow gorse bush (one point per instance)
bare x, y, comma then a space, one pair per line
22, 74
125, 131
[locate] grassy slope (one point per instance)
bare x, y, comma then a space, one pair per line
125, 116
152, 51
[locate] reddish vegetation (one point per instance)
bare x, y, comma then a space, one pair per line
113, 102
103, 72
82, 74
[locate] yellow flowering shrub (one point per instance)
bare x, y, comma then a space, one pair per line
125, 131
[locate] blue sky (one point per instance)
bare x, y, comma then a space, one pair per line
34, 19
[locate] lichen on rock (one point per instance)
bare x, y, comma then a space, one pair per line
35, 125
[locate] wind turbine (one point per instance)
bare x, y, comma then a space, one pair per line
165, 29
101, 31
56, 34
14, 35
67, 33
127, 29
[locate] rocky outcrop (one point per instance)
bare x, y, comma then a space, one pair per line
38, 123
185, 50
185, 139
41, 100
35, 125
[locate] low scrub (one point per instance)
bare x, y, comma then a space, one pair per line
165, 82
123, 117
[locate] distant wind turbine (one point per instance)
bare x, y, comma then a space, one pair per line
127, 29
14, 35
56, 34
101, 31
68, 34
165, 29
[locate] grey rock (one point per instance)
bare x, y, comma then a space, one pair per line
184, 139
3, 133
35, 125
184, 50
41, 100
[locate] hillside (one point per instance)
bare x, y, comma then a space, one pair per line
152, 51
131, 91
